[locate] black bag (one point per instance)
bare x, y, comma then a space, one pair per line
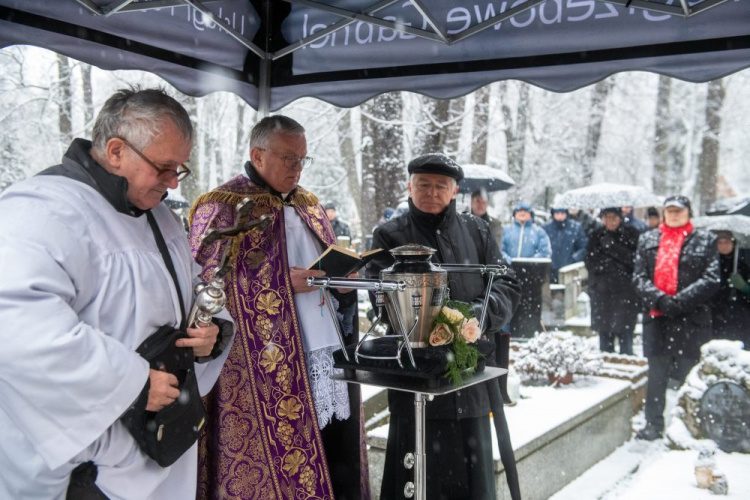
167, 434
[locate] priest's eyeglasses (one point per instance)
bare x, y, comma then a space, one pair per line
164, 174
291, 161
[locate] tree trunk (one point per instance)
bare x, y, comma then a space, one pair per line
598, 108
481, 125
242, 140
64, 101
708, 163
192, 187
515, 134
383, 171
661, 138
348, 158
442, 129
88, 99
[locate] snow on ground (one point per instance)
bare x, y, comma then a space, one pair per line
642, 470
542, 409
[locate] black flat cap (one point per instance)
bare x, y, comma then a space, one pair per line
677, 201
329, 206
436, 163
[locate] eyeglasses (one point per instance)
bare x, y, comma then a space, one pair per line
291, 161
164, 174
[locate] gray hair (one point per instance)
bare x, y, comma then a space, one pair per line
269, 126
137, 115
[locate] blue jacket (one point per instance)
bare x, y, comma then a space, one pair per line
532, 239
568, 242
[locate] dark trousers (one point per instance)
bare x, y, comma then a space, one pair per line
459, 459
607, 341
341, 441
660, 370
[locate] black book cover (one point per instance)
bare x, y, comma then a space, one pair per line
340, 262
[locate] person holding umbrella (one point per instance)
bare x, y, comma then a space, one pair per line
610, 258
676, 275
731, 305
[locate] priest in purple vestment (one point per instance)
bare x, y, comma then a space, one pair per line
278, 427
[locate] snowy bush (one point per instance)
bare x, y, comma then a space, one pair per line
555, 355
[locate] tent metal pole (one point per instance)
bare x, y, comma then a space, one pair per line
430, 19
264, 89
91, 7
144, 6
115, 7
228, 29
705, 5
498, 18
369, 19
327, 31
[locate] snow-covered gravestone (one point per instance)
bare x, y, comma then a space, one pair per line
714, 403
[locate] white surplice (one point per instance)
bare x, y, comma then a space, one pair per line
81, 286
319, 337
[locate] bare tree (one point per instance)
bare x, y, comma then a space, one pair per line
88, 99
192, 187
440, 128
481, 125
661, 137
383, 172
349, 161
708, 162
593, 136
515, 130
64, 100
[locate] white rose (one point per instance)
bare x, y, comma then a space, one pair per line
453, 315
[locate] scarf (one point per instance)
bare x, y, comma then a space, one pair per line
666, 270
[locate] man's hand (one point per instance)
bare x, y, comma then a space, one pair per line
201, 339
299, 279
162, 391
668, 305
347, 290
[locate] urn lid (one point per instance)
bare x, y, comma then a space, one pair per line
412, 252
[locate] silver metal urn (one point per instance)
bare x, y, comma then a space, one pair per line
419, 303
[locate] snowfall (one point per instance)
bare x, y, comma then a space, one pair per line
637, 469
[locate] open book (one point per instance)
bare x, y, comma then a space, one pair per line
339, 262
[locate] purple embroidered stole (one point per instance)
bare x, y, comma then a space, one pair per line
261, 440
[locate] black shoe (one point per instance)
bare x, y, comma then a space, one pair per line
648, 433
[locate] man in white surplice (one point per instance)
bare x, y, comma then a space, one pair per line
83, 284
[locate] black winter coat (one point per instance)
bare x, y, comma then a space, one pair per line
610, 259
458, 239
731, 307
682, 333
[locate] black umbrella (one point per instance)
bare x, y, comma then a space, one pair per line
484, 177
741, 209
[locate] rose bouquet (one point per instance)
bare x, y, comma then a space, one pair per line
458, 328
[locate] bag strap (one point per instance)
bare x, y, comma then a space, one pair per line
162, 245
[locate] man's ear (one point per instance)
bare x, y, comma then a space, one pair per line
455, 192
408, 187
255, 156
114, 152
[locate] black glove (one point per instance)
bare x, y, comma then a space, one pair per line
668, 305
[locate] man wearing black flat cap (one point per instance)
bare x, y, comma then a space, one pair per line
340, 228
458, 435
610, 257
676, 275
